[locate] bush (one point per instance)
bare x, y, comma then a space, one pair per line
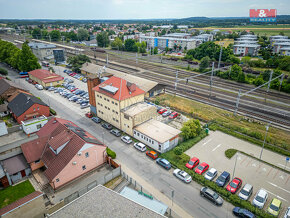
3, 71
52, 111
111, 153
230, 153
178, 150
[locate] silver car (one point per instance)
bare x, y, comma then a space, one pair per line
260, 198
182, 175
246, 192
211, 174
126, 139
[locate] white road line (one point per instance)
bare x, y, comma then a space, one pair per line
216, 147
281, 198
283, 165
285, 190
206, 142
276, 195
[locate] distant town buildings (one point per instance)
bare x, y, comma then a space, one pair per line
246, 45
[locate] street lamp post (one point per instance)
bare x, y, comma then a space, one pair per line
267, 128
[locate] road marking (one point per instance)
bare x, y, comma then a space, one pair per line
206, 142
216, 147
282, 177
279, 187
276, 195
239, 158
264, 169
254, 165
283, 165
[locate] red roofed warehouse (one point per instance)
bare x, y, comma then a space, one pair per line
45, 78
65, 150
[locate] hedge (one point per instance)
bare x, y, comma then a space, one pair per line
3, 71
230, 153
52, 111
111, 153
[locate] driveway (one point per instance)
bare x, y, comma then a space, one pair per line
212, 150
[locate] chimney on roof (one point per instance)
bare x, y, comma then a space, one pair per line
131, 87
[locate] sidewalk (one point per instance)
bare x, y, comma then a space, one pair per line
156, 193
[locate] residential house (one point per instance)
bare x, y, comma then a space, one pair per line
8, 89
65, 151
246, 49
24, 107
46, 78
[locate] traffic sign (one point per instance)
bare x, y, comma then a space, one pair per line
287, 159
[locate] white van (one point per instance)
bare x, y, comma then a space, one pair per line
140, 146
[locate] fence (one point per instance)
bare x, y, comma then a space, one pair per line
99, 181
135, 185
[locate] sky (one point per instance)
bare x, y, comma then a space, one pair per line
134, 9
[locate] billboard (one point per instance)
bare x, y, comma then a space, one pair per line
263, 15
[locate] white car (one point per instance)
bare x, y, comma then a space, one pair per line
182, 175
287, 214
260, 198
246, 192
39, 87
126, 139
211, 174
140, 146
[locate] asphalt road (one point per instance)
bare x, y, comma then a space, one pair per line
185, 195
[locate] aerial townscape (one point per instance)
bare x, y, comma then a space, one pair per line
141, 109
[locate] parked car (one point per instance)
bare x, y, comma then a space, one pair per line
116, 132
83, 106
274, 207
246, 192
183, 176
193, 162
84, 80
152, 154
161, 111
30, 80
51, 89
243, 213
164, 163
211, 195
287, 213
173, 115
107, 126
39, 87
96, 119
202, 168
234, 185
223, 179
34, 82
126, 139
211, 174
140, 146
69, 95
260, 198
166, 113
89, 115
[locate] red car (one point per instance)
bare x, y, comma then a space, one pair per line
193, 162
72, 74
161, 111
89, 115
152, 154
234, 185
74, 89
30, 81
202, 168
173, 115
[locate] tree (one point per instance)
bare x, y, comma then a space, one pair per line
175, 47
27, 60
36, 33
285, 63
204, 63
83, 34
166, 49
103, 39
117, 44
236, 71
163, 32
129, 44
155, 50
191, 129
77, 62
55, 35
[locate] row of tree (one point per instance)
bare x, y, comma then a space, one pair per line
20, 59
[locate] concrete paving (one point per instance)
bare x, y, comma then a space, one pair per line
212, 150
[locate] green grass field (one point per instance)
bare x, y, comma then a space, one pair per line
13, 193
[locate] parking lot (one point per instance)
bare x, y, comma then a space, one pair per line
212, 151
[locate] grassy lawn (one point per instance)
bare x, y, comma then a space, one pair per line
206, 112
225, 42
13, 193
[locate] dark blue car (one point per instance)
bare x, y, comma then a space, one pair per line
223, 179
164, 163
241, 212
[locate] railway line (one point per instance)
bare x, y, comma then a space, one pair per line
197, 89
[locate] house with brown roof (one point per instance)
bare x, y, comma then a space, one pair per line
65, 152
8, 88
45, 78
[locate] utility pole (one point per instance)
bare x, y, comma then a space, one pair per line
176, 79
271, 74
237, 103
267, 128
211, 76
220, 57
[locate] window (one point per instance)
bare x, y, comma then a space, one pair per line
105, 99
126, 116
37, 161
98, 96
37, 108
112, 102
38, 126
109, 108
159, 147
117, 121
106, 107
116, 103
134, 132
34, 116
150, 140
33, 109
114, 119
84, 167
142, 136
138, 134
57, 180
116, 112
87, 154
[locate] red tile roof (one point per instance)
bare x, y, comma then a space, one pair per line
125, 89
56, 141
20, 202
45, 75
33, 150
